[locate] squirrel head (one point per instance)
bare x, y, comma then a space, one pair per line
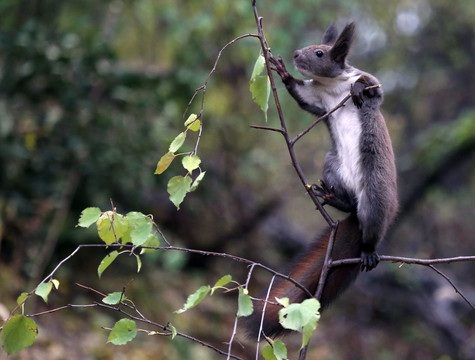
327, 60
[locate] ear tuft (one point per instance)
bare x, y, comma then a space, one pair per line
342, 45
330, 35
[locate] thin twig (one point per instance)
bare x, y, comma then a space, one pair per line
69, 306
326, 115
451, 283
267, 128
230, 344
263, 315
204, 86
327, 263
91, 289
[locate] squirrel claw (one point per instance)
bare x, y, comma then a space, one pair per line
357, 93
369, 261
323, 191
279, 66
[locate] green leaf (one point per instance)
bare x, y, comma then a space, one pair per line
139, 263
194, 124
164, 162
197, 181
141, 227
152, 240
259, 85
44, 289
123, 331
173, 330
226, 279
259, 66
280, 350
89, 216
308, 331
108, 259
18, 333
114, 298
178, 187
245, 307
283, 301
110, 231
195, 298
297, 316
177, 142
23, 296
268, 353
191, 163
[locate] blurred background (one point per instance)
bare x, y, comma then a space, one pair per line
92, 93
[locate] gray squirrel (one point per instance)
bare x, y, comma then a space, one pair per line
359, 175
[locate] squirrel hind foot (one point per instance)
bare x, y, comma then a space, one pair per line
369, 261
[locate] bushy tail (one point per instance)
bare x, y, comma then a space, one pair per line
306, 270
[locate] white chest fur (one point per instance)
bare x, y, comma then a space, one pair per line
345, 125
346, 130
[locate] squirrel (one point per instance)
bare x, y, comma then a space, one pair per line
359, 174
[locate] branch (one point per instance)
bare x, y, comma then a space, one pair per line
451, 283
262, 316
425, 262
326, 264
406, 260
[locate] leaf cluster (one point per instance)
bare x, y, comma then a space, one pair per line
113, 228
179, 186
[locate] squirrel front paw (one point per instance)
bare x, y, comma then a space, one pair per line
279, 67
358, 91
369, 260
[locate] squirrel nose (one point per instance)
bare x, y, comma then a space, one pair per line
296, 54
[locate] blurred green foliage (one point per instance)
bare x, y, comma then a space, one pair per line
93, 92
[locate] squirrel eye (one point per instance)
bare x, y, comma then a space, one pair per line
319, 53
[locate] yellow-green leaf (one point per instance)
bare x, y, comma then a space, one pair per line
197, 181
164, 162
193, 123
245, 307
108, 259
195, 298
177, 142
55, 283
191, 162
44, 289
173, 330
226, 279
123, 331
111, 227
21, 298
259, 85
18, 333
178, 187
114, 298
89, 216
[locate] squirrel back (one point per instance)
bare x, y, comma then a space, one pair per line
307, 270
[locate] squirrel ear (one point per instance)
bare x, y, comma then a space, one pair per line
342, 45
330, 35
